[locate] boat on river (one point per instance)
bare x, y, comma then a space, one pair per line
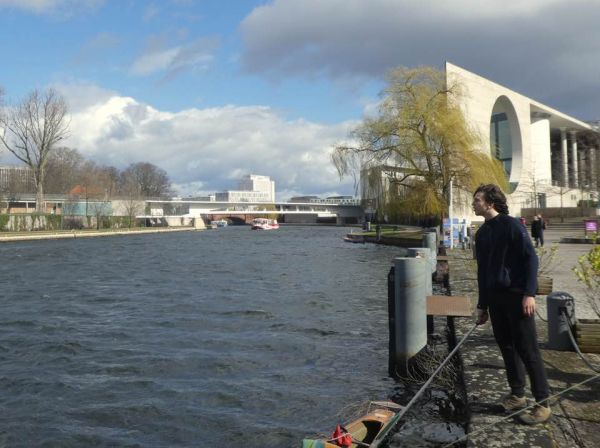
354, 238
362, 432
264, 224
218, 223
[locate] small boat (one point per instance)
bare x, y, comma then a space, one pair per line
354, 238
219, 223
264, 224
362, 432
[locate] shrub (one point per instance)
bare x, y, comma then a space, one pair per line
588, 272
4, 219
53, 222
72, 224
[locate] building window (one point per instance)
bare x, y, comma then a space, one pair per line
500, 141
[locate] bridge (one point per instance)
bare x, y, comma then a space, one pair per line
347, 211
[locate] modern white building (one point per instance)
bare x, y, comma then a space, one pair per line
252, 188
551, 159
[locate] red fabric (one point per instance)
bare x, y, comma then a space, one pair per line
341, 437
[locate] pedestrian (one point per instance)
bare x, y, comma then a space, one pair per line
507, 278
542, 228
535, 230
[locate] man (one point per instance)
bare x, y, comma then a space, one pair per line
507, 278
537, 230
542, 228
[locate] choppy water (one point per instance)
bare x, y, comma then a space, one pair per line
218, 338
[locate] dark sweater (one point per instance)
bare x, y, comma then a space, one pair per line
506, 259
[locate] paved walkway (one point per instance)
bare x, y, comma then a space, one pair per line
576, 419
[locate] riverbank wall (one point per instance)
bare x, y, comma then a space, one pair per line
69, 234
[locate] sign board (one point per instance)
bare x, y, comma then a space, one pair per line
459, 231
457, 227
591, 225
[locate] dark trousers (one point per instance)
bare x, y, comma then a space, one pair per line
539, 240
517, 338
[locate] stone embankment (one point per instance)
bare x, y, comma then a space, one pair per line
576, 413
43, 235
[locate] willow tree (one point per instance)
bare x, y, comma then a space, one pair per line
32, 129
416, 145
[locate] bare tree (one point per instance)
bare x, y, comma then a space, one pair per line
103, 180
150, 180
133, 203
535, 188
63, 170
99, 210
32, 130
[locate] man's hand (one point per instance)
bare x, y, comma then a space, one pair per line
528, 306
482, 316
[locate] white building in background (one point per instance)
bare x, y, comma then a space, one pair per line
16, 179
551, 159
252, 188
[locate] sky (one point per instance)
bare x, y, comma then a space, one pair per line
212, 90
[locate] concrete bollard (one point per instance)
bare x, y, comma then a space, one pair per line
430, 241
558, 323
424, 252
410, 310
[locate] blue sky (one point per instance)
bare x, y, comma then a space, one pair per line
211, 90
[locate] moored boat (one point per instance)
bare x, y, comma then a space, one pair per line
264, 224
361, 432
354, 238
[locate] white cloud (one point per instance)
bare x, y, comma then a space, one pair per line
149, 63
83, 95
51, 6
195, 56
207, 150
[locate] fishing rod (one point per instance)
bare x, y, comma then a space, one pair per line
394, 421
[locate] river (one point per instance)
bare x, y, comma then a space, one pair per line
227, 337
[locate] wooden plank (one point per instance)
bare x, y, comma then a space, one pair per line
589, 334
458, 306
588, 340
588, 321
442, 258
579, 331
590, 348
592, 327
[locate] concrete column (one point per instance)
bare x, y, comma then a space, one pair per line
564, 158
427, 254
430, 241
410, 311
575, 158
593, 160
589, 167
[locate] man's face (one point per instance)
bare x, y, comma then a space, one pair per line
480, 207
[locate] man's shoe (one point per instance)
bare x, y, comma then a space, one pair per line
539, 414
512, 402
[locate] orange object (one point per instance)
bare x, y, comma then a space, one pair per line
341, 437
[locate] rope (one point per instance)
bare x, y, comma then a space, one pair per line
394, 421
539, 315
520, 411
